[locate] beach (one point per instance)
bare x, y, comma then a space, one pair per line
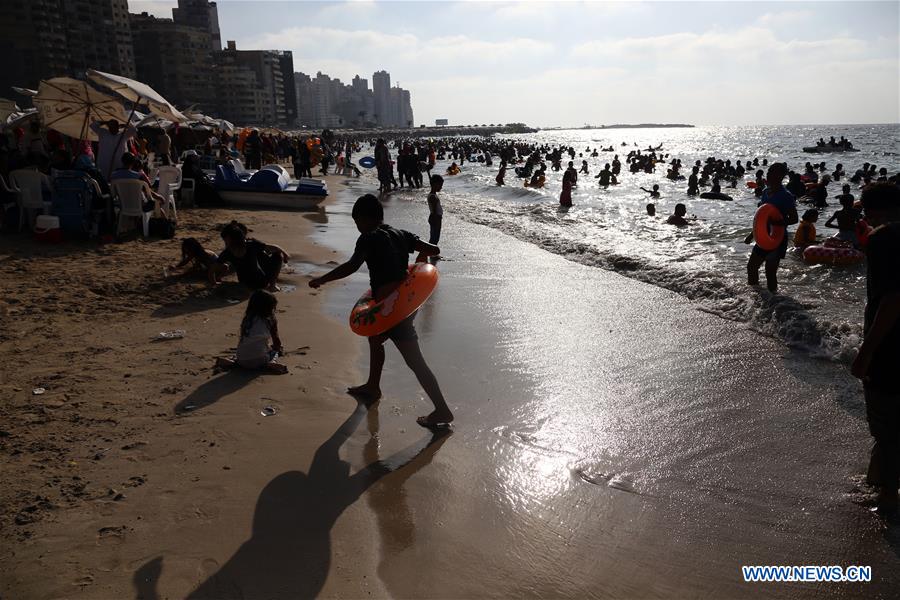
611, 439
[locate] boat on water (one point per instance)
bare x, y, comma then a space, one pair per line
270, 187
827, 149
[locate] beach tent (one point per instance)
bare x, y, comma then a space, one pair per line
137, 93
70, 106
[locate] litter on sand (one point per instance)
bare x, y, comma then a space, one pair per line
268, 411
175, 334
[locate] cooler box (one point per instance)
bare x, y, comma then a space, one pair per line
46, 229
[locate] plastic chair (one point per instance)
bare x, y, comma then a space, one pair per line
169, 181
130, 193
30, 185
187, 192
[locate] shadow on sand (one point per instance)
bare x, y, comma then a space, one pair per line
289, 553
215, 389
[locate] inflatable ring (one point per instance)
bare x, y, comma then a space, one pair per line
832, 255
366, 162
369, 317
767, 236
752, 185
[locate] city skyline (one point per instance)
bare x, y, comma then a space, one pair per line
179, 51
571, 63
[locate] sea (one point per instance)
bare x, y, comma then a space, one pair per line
818, 308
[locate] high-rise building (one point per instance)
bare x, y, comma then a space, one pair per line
381, 86
305, 94
251, 86
34, 34
98, 35
203, 15
175, 60
286, 62
50, 38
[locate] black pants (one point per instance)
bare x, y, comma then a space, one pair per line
883, 415
434, 225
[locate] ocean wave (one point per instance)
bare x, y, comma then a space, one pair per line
717, 293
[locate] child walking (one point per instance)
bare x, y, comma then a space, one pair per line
384, 250
259, 325
786, 204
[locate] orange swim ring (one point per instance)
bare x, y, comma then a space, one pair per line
370, 317
767, 235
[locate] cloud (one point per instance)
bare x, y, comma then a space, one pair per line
157, 8
405, 55
785, 18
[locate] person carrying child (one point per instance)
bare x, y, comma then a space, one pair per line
384, 250
257, 328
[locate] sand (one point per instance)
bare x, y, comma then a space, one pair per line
136, 449
611, 440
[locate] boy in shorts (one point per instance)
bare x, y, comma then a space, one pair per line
385, 251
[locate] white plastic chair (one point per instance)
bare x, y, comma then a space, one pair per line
131, 195
169, 181
30, 185
6, 189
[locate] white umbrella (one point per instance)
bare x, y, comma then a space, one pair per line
7, 107
69, 106
18, 119
138, 93
24, 91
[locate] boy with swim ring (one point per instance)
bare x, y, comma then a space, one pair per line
786, 204
384, 250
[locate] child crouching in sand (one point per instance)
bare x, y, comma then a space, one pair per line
253, 350
201, 260
385, 251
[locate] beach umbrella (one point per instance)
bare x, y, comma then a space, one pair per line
226, 126
69, 106
19, 119
24, 91
7, 107
138, 93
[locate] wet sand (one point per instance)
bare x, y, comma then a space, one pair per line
611, 441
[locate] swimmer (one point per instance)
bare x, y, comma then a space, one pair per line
847, 219
806, 230
654, 193
584, 167
678, 217
651, 210
501, 174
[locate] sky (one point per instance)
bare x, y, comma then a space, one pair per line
575, 63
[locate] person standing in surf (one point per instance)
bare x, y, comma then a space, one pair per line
879, 356
786, 204
435, 210
384, 250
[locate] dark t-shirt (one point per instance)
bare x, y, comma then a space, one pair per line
250, 268
386, 251
883, 278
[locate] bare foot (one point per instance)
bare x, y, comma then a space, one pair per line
365, 392
276, 368
224, 363
436, 420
